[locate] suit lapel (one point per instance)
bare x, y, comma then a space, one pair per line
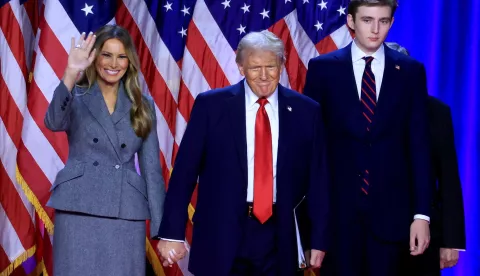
95, 103
285, 121
123, 105
349, 88
236, 106
389, 86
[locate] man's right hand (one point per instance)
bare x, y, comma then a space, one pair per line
171, 251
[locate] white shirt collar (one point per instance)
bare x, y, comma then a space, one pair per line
251, 98
357, 54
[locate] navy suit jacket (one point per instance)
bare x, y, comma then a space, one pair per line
214, 149
395, 151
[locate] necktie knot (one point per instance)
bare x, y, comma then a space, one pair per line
262, 102
368, 60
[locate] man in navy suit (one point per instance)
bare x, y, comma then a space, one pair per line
257, 150
374, 108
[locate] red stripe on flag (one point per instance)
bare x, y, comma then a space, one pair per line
185, 101
4, 261
52, 50
10, 114
174, 152
16, 211
34, 177
38, 105
165, 170
13, 34
295, 68
205, 59
155, 82
326, 45
33, 12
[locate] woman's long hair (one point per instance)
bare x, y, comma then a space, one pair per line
140, 114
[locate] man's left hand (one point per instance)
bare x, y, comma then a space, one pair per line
448, 257
419, 237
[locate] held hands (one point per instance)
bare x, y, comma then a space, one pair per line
419, 237
81, 56
171, 251
448, 257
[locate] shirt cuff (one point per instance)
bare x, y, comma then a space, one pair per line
462, 250
422, 217
171, 240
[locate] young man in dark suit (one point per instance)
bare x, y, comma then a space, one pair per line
374, 103
447, 215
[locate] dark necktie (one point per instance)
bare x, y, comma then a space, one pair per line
369, 104
263, 166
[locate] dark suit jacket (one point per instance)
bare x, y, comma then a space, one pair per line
395, 151
214, 149
448, 221
100, 177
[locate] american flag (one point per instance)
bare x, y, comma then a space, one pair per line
185, 47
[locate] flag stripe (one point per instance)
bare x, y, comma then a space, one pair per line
10, 30
205, 58
156, 84
305, 47
216, 41
14, 209
296, 70
12, 74
9, 239
25, 25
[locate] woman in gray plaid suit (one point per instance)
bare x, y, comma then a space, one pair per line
100, 201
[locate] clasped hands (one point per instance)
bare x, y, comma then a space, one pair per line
171, 251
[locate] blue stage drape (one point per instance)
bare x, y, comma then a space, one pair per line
445, 36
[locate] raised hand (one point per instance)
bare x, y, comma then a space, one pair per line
80, 57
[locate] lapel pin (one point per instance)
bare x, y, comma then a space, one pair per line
397, 67
289, 108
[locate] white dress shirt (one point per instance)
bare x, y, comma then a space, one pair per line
251, 108
378, 67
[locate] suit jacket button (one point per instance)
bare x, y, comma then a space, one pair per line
95, 140
123, 146
67, 99
117, 167
95, 163
63, 108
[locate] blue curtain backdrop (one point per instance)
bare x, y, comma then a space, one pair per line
445, 36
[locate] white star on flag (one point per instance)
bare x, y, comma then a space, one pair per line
318, 25
265, 14
87, 9
185, 10
323, 5
183, 32
241, 29
168, 6
226, 4
245, 8
341, 11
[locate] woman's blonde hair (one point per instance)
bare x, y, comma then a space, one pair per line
140, 113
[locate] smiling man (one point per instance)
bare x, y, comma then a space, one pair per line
374, 109
257, 150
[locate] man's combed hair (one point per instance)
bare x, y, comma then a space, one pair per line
355, 4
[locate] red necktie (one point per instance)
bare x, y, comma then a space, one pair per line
263, 167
